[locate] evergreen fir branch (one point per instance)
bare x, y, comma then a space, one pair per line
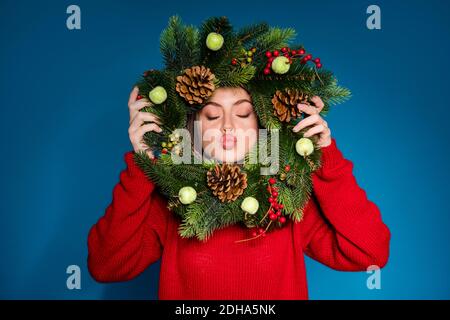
201, 218
333, 94
264, 109
179, 45
285, 197
167, 183
247, 35
235, 76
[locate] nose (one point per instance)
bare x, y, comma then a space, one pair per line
227, 124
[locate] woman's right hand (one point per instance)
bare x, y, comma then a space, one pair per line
137, 127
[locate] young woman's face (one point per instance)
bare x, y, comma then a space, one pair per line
229, 125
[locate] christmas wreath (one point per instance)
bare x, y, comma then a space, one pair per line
208, 195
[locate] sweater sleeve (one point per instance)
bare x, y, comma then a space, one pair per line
346, 231
131, 234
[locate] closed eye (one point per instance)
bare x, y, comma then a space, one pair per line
244, 116
212, 118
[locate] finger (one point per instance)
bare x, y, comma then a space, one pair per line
138, 105
135, 107
146, 128
307, 108
133, 95
315, 130
318, 102
150, 154
142, 117
307, 122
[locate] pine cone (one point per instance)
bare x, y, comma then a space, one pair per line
226, 182
196, 84
285, 103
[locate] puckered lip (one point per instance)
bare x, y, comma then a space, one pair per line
228, 141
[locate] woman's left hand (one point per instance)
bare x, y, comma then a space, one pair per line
318, 125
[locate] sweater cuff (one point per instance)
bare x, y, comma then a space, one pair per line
133, 168
331, 158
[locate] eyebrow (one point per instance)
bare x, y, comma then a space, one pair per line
234, 104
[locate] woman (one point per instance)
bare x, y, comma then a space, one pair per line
341, 228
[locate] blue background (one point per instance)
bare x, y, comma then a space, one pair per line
64, 131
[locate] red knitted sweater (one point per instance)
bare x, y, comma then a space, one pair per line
341, 228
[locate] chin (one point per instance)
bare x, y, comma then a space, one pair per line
232, 157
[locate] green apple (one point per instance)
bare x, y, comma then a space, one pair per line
304, 147
250, 205
214, 41
158, 95
280, 65
187, 195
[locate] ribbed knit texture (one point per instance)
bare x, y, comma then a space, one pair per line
341, 228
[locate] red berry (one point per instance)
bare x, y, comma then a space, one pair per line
268, 54
282, 219
276, 53
275, 206
309, 56
319, 65
234, 62
294, 52
271, 200
268, 65
301, 51
303, 61
139, 97
280, 206
317, 60
284, 49
272, 181
287, 168
278, 213
164, 151
274, 194
286, 55
261, 230
273, 216
266, 71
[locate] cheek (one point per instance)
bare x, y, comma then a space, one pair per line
209, 132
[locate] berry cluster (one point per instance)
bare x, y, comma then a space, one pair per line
274, 213
275, 206
246, 58
172, 145
290, 54
283, 175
